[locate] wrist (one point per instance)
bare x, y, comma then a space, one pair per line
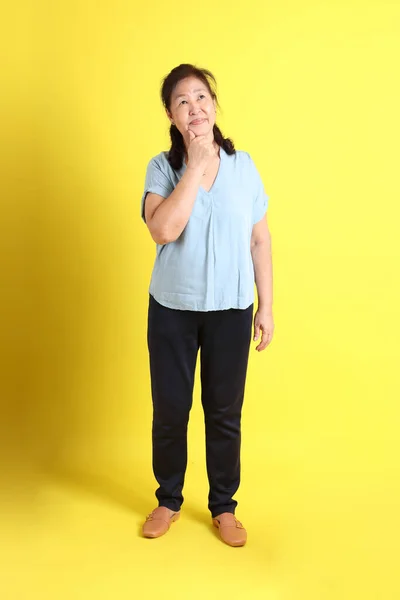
265, 308
196, 168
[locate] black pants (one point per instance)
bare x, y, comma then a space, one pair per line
174, 338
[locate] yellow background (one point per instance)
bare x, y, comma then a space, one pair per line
311, 90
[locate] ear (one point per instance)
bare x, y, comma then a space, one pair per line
169, 115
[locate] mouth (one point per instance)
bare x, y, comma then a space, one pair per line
197, 122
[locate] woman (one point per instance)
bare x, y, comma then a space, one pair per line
204, 205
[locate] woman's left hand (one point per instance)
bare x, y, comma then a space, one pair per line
264, 324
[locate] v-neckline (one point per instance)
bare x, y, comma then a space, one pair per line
217, 177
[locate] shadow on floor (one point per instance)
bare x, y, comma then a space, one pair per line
138, 497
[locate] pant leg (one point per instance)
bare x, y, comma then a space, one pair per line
225, 342
173, 346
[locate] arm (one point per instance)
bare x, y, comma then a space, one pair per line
166, 218
262, 261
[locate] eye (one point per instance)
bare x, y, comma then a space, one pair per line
182, 101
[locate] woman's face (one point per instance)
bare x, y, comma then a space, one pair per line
192, 107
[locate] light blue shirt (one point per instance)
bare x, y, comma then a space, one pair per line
209, 267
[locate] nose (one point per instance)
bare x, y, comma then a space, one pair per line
193, 109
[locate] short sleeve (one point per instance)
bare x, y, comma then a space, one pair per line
156, 181
260, 198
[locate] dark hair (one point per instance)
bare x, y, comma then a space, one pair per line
170, 81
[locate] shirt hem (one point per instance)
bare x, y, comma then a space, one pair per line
200, 305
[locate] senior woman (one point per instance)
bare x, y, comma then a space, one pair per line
205, 207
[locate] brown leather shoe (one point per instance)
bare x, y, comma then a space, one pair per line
158, 521
231, 530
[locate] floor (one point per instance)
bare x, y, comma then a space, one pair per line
313, 534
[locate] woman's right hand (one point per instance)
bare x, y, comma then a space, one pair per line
201, 151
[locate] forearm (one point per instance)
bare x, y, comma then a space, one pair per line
262, 261
172, 215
